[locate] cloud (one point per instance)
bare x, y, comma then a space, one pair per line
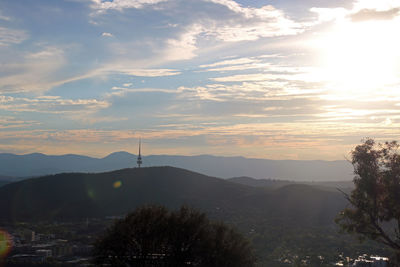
119, 5
271, 72
382, 5
371, 14
264, 12
107, 34
40, 71
232, 5
252, 91
122, 91
5, 18
238, 64
235, 24
11, 36
184, 46
241, 67
329, 14
340, 113
51, 105
254, 31
254, 23
143, 72
9, 122
273, 138
245, 77
236, 61
263, 62
33, 71
362, 10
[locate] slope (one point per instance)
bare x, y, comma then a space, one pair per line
274, 184
71, 196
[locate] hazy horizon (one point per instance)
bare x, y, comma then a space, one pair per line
169, 155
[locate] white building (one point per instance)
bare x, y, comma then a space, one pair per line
373, 261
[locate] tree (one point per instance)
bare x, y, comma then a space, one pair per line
375, 202
154, 236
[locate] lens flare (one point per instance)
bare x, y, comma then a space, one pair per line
5, 244
91, 193
117, 184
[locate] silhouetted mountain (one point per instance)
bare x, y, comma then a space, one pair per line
226, 167
78, 195
273, 183
270, 183
6, 178
32, 165
3, 183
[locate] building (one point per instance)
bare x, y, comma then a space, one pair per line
373, 261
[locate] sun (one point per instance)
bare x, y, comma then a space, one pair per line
361, 58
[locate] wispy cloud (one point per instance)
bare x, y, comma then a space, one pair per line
50, 104
143, 72
246, 77
362, 10
33, 71
122, 91
5, 18
9, 122
236, 61
40, 71
383, 5
237, 24
238, 64
372, 14
280, 138
11, 36
102, 5
254, 91
255, 23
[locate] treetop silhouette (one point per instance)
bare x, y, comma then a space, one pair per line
154, 236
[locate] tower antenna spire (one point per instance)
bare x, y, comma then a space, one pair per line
139, 158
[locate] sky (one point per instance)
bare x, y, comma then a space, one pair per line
284, 79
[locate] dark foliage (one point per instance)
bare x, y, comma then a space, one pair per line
154, 236
75, 196
375, 202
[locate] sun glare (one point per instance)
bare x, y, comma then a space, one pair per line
361, 58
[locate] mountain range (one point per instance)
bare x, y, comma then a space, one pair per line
36, 164
273, 183
71, 196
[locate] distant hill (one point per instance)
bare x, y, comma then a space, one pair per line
3, 183
6, 180
32, 165
70, 196
270, 183
273, 183
36, 164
